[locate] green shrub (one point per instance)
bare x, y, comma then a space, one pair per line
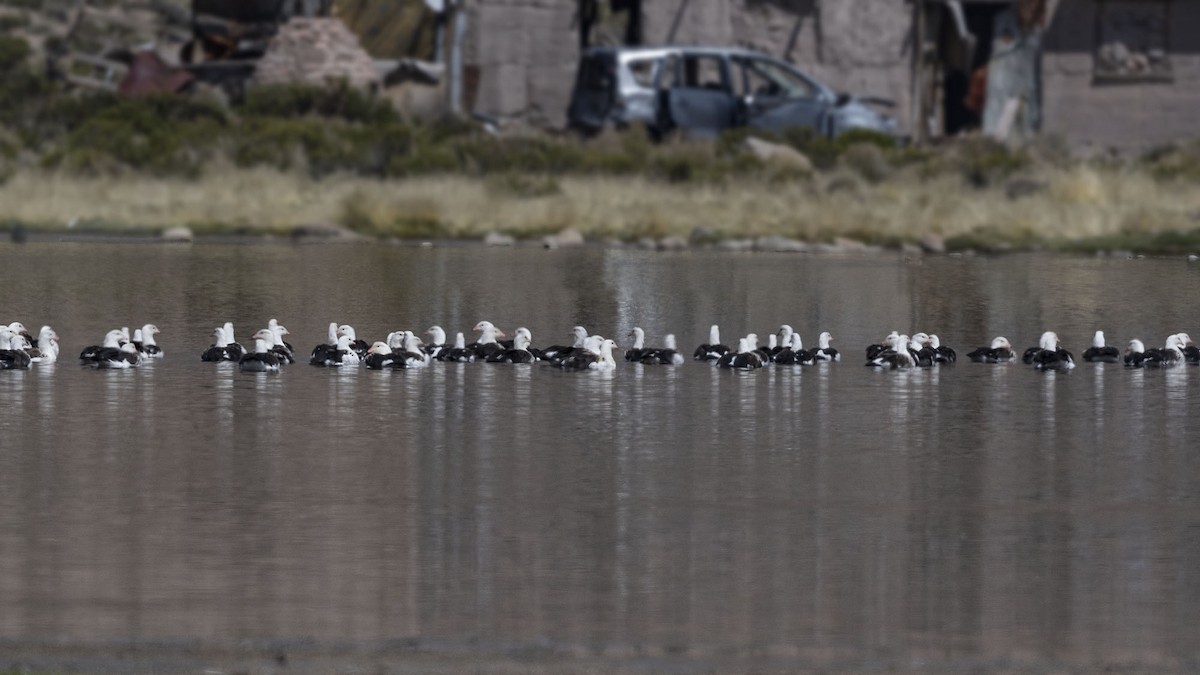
340, 101
14, 52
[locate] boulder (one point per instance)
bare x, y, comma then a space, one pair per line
567, 238
495, 238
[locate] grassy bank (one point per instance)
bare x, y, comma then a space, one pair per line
291, 156
1079, 208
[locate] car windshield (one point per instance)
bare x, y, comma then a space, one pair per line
767, 78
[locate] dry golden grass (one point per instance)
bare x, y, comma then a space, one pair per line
1078, 204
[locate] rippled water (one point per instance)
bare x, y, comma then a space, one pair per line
831, 516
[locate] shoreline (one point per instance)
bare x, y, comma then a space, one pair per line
1080, 210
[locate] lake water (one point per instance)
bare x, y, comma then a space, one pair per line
649, 519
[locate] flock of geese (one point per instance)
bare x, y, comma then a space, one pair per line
403, 350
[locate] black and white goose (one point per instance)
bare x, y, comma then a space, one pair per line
317, 357
596, 354
112, 341
379, 357
1050, 355
409, 355
922, 353
282, 349
795, 355
824, 351
1100, 352
459, 353
783, 341
1135, 354
712, 350
999, 351
437, 342
942, 353
1191, 353
519, 353
638, 349
147, 345
341, 354
219, 350
763, 352
745, 358
874, 350
235, 350
667, 355
486, 344
46, 351
13, 357
265, 358
358, 346
1169, 356
556, 353
897, 354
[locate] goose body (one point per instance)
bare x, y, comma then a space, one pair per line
668, 355
1049, 354
896, 355
1100, 352
219, 350
437, 342
379, 357
47, 347
824, 351
13, 358
340, 354
107, 348
557, 353
712, 350
459, 352
745, 358
1000, 351
638, 349
486, 345
519, 353
795, 355
942, 353
265, 357
148, 346
127, 356
1135, 354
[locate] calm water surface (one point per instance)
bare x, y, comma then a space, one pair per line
831, 516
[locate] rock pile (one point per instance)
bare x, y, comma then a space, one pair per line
316, 51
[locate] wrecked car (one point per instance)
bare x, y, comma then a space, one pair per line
703, 91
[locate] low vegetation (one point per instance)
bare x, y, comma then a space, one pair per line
293, 155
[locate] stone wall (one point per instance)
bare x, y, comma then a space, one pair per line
1126, 116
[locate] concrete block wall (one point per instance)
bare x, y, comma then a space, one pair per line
1128, 117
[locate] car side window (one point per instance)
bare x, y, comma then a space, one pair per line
705, 72
765, 79
643, 71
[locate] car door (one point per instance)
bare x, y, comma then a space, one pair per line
696, 94
775, 98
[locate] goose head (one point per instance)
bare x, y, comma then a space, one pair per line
1136, 347
639, 337
669, 341
1001, 343
579, 334
347, 331
437, 335
523, 331
379, 348
112, 339
798, 342
752, 340
918, 341
265, 339
219, 338
714, 335
47, 334
331, 335
785, 334
1098, 339
460, 341
1049, 341
935, 342
823, 340
520, 341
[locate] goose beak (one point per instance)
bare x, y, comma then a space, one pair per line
500, 333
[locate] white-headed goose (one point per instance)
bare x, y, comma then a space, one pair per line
13, 357
265, 357
712, 350
745, 358
999, 351
1100, 352
824, 350
1050, 355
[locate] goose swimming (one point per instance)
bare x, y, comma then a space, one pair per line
941, 353
235, 350
1050, 355
1135, 354
459, 352
668, 355
557, 353
13, 357
379, 356
437, 342
112, 341
824, 352
219, 350
265, 358
47, 347
148, 346
1000, 351
638, 349
519, 353
1099, 352
713, 350
486, 345
898, 354
745, 358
